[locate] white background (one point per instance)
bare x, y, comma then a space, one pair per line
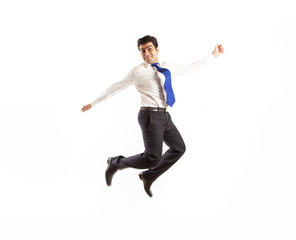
237, 117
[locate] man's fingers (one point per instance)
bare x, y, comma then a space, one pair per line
220, 48
86, 107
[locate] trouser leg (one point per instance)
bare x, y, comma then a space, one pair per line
174, 141
152, 125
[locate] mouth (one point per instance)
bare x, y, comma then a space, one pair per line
148, 59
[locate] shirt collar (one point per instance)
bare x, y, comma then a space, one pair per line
149, 65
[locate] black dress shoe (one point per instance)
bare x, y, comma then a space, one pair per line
147, 184
111, 169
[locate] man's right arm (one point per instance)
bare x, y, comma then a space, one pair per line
115, 88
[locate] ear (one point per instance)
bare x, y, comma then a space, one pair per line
157, 50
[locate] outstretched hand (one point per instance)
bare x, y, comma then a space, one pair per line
219, 50
86, 107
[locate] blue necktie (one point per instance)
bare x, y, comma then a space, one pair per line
167, 84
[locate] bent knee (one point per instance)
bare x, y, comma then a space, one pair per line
181, 149
184, 148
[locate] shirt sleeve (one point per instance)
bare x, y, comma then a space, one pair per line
115, 88
183, 69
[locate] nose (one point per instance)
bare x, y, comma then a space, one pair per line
146, 52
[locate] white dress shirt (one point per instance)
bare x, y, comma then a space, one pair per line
150, 83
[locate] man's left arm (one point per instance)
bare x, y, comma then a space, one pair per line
183, 69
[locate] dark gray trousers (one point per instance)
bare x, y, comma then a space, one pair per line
157, 127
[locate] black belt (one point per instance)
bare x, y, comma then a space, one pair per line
153, 109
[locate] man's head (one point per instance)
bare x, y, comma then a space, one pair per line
148, 47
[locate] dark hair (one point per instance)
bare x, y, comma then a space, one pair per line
147, 39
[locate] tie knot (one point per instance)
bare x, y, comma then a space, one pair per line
155, 64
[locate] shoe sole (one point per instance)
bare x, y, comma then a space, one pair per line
109, 160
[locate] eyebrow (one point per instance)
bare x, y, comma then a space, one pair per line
146, 47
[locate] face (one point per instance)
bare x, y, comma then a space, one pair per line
149, 53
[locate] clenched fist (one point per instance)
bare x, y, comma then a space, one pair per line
218, 50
